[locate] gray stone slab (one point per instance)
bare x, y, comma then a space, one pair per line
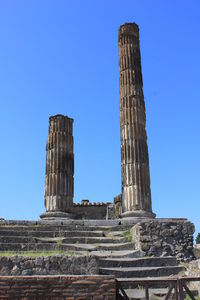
141, 272
137, 262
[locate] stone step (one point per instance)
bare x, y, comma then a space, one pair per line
137, 262
68, 222
61, 246
73, 227
141, 271
117, 253
98, 253
64, 240
59, 233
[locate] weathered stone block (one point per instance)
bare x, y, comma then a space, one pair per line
165, 237
145, 246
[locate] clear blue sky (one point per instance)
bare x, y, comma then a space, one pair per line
62, 57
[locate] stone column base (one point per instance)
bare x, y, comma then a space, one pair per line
53, 215
138, 214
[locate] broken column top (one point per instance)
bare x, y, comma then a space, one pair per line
59, 116
128, 29
60, 123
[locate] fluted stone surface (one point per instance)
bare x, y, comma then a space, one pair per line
59, 179
136, 193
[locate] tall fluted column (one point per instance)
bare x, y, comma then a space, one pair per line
136, 193
59, 179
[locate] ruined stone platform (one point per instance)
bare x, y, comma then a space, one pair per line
125, 248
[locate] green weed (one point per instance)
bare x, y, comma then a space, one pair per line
128, 235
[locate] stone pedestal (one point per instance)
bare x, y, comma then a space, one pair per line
59, 179
136, 192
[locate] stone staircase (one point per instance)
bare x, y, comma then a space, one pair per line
117, 255
47, 237
139, 267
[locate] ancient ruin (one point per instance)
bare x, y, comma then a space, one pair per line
135, 200
136, 192
121, 241
59, 179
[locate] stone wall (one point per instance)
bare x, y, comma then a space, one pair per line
196, 251
165, 237
98, 211
58, 287
91, 211
49, 265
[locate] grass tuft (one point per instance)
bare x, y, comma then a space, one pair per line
128, 235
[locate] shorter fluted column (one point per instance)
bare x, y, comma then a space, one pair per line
59, 179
